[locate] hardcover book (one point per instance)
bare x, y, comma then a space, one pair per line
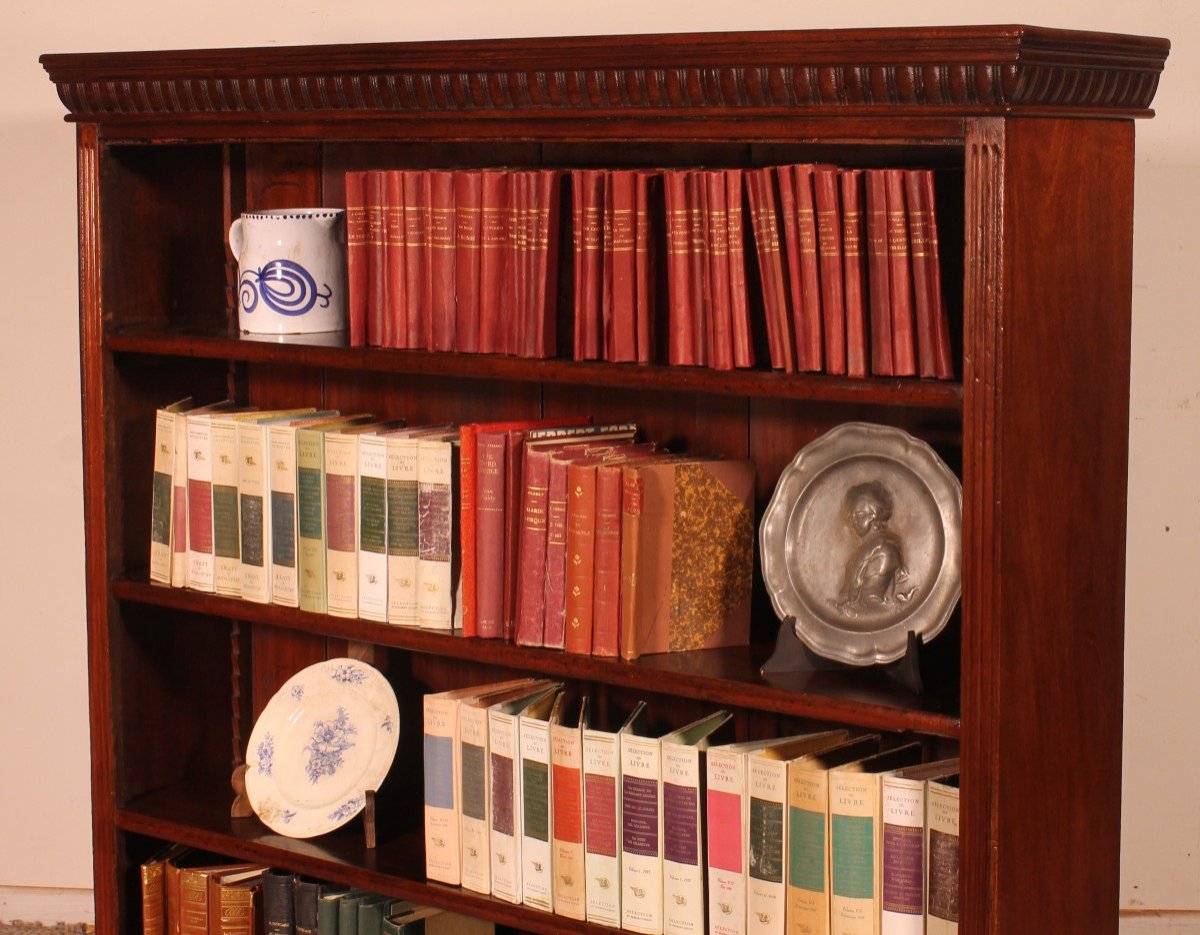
537, 815
567, 853
941, 848
162, 489
439, 585
235, 903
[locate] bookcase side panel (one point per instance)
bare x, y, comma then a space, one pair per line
1062, 430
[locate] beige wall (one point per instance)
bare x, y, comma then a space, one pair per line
44, 809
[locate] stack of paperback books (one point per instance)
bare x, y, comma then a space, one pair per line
554, 533
685, 831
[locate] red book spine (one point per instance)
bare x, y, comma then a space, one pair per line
513, 489
903, 353
810, 276
606, 572
514, 314
606, 270
431, 285
764, 222
587, 213
467, 223
489, 516
879, 278
377, 283
395, 320
643, 267
556, 553
493, 260
358, 257
415, 217
923, 276
790, 223
681, 348
531, 561
739, 310
581, 535
855, 271
468, 479
624, 324
945, 354
721, 321
701, 284
441, 253
829, 250
544, 247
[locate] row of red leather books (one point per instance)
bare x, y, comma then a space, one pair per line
850, 270
577, 537
454, 260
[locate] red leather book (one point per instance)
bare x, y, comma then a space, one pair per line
810, 276
587, 215
440, 249
377, 283
358, 257
531, 555
697, 196
581, 537
904, 358
739, 308
416, 215
468, 195
395, 318
717, 224
493, 259
622, 281
513, 451
829, 251
681, 349
764, 221
543, 327
789, 223
521, 199
945, 354
489, 535
924, 277
879, 275
644, 278
606, 562
556, 551
854, 268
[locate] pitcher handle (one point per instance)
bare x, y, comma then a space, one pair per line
235, 238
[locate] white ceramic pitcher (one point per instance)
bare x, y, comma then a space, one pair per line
291, 270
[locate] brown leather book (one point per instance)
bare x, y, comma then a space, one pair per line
644, 266
926, 291
416, 273
739, 309
764, 221
720, 354
681, 350
701, 293
620, 255
489, 539
587, 216
606, 561
829, 250
358, 257
854, 269
395, 318
810, 275
543, 325
440, 254
581, 538
235, 904
468, 194
377, 279
904, 358
153, 881
879, 275
493, 259
687, 549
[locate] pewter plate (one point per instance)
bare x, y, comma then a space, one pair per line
862, 542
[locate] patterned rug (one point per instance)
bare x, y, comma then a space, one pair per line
36, 928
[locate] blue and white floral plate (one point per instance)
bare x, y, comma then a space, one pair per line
327, 736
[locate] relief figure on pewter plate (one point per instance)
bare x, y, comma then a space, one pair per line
875, 577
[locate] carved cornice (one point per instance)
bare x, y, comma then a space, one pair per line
961, 70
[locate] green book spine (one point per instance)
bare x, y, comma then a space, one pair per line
310, 485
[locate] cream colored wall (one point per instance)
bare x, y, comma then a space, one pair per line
44, 809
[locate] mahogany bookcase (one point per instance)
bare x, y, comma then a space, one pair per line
1030, 133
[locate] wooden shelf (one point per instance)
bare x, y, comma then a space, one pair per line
197, 814
331, 350
719, 676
